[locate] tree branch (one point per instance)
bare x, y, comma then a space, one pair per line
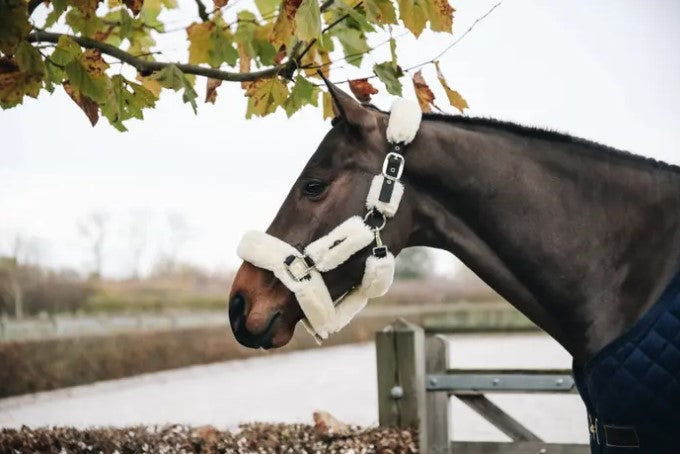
147, 67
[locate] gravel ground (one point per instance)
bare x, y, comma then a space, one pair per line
250, 438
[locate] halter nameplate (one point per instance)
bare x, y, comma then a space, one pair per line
301, 273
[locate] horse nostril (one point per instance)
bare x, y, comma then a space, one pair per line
237, 307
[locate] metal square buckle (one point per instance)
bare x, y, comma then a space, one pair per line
297, 268
386, 163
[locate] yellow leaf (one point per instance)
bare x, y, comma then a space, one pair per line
455, 98
327, 105
423, 92
441, 15
150, 84
93, 62
198, 35
265, 95
414, 15
284, 27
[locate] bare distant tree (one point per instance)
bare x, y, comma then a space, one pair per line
178, 234
138, 236
93, 228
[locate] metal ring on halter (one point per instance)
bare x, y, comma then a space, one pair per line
374, 212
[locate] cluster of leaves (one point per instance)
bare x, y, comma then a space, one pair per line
275, 52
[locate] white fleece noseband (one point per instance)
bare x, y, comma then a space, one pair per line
301, 272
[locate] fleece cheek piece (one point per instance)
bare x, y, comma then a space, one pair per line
389, 207
340, 244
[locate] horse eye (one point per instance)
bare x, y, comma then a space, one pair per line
314, 188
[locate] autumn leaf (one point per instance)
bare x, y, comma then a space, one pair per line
441, 15
134, 5
150, 84
267, 7
211, 90
243, 62
87, 7
284, 27
220, 3
14, 25
265, 95
380, 11
58, 8
423, 92
362, 89
414, 15
308, 20
455, 98
353, 44
86, 104
16, 82
327, 101
199, 34
389, 76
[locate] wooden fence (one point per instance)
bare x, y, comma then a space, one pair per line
415, 384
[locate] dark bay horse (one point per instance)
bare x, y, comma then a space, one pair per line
581, 238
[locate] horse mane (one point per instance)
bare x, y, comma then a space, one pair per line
553, 136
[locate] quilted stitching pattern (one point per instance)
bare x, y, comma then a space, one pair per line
635, 381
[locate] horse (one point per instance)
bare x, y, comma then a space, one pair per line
581, 238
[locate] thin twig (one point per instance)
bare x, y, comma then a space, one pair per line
146, 67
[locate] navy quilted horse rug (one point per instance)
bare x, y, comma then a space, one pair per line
631, 388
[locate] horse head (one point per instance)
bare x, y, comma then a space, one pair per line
331, 189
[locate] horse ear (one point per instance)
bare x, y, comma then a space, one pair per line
347, 108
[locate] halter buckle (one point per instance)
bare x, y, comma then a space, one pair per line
298, 268
393, 166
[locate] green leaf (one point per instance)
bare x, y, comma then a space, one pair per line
126, 24
29, 59
14, 24
172, 77
222, 48
94, 87
393, 53
353, 44
58, 8
66, 51
389, 76
381, 11
304, 92
308, 20
265, 95
267, 7
127, 100
246, 31
86, 25
356, 20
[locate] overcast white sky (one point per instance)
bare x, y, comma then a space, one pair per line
604, 70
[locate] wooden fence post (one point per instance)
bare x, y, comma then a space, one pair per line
437, 362
400, 352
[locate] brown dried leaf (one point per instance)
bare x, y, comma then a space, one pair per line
220, 3
211, 90
134, 5
243, 62
327, 426
93, 62
86, 104
423, 92
362, 89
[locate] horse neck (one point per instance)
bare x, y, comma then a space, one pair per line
580, 239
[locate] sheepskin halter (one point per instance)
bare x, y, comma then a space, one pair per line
302, 272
